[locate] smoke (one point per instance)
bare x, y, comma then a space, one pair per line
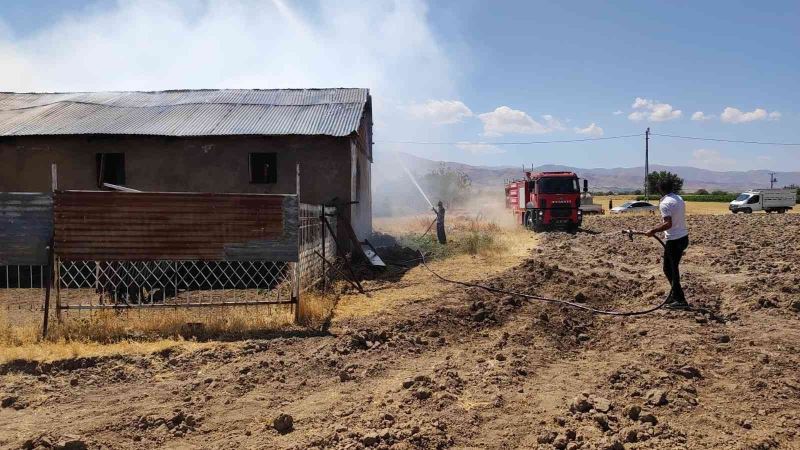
386, 46
155, 45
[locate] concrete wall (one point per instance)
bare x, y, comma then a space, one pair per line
195, 164
361, 192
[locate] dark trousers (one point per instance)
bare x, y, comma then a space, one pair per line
440, 234
673, 251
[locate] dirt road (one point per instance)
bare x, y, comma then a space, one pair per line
464, 368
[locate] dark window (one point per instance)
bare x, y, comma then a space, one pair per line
558, 185
263, 168
753, 199
110, 168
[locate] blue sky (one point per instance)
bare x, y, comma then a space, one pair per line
458, 70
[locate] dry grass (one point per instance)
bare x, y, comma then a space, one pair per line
104, 332
230, 322
316, 308
514, 244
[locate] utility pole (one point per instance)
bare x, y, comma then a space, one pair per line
646, 163
772, 179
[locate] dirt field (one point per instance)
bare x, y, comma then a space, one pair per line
446, 367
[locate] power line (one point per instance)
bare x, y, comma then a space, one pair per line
508, 143
733, 141
566, 141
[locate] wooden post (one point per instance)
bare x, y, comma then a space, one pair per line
322, 239
49, 281
52, 272
53, 177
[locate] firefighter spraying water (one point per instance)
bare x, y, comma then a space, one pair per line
438, 210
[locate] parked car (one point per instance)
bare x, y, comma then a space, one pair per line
769, 200
634, 207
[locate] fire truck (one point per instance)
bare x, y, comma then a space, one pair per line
546, 200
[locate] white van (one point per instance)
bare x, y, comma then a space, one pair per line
769, 200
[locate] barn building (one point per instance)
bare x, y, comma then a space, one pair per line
231, 140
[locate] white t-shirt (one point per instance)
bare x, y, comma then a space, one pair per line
672, 205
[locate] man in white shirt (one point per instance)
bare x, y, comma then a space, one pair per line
673, 213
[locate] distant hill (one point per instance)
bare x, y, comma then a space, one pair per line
620, 179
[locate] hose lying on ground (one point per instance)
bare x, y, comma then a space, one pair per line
630, 233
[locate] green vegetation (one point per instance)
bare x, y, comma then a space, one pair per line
654, 179
464, 236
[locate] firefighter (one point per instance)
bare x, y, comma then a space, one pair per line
440, 234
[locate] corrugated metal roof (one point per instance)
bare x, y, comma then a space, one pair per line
331, 112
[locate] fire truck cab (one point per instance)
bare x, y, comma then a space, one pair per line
545, 200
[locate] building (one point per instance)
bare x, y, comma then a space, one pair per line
232, 140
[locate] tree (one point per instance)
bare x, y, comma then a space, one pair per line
448, 185
668, 178
701, 192
718, 192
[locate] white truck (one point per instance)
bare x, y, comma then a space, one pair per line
769, 200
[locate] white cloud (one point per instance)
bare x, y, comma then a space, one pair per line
637, 116
506, 120
480, 148
618, 112
552, 123
592, 130
711, 159
441, 111
153, 45
653, 111
735, 115
700, 116
642, 103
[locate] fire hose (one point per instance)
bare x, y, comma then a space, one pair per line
531, 297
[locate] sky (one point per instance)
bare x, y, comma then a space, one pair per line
467, 75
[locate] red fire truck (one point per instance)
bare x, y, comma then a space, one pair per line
546, 200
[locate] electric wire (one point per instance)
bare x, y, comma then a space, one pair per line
508, 143
567, 141
733, 141
551, 300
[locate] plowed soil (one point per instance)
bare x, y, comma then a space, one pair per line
466, 368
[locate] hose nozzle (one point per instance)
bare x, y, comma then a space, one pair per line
630, 233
